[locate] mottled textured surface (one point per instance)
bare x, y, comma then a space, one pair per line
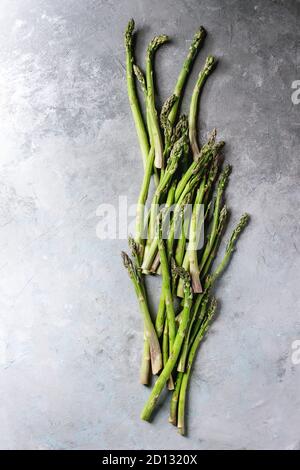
71, 333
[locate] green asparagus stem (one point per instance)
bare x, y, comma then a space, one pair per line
169, 203
132, 95
186, 343
231, 246
140, 77
167, 370
211, 279
160, 317
186, 68
146, 363
165, 343
191, 252
174, 399
185, 198
191, 357
207, 154
140, 213
164, 183
220, 191
146, 360
165, 349
222, 222
179, 210
166, 286
181, 243
209, 66
179, 213
153, 118
195, 231
155, 352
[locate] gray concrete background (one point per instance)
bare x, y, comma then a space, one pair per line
71, 333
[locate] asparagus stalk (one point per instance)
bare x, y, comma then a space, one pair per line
132, 95
146, 360
186, 68
186, 375
164, 183
165, 350
195, 231
174, 399
185, 196
181, 243
167, 370
140, 77
207, 154
208, 67
223, 181
222, 222
140, 212
165, 343
186, 344
166, 286
179, 209
168, 205
153, 118
211, 279
155, 352
146, 363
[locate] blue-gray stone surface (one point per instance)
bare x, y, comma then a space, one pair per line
70, 329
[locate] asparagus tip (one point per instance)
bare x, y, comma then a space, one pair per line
126, 260
155, 43
128, 33
210, 64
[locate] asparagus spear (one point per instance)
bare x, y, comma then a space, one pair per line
140, 212
146, 359
195, 230
167, 212
166, 286
140, 77
179, 209
186, 68
223, 181
155, 352
132, 95
146, 363
153, 118
164, 183
186, 345
174, 399
211, 279
186, 375
207, 154
209, 66
166, 124
167, 370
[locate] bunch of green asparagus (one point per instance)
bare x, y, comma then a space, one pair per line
185, 174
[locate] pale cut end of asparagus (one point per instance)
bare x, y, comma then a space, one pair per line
171, 383
156, 360
196, 283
